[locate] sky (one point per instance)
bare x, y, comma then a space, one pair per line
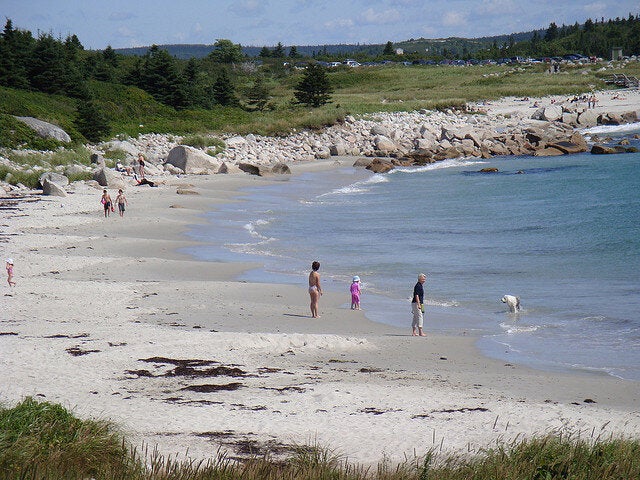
136, 23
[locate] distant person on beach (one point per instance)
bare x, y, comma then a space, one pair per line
417, 307
141, 165
314, 288
10, 273
121, 200
106, 202
355, 293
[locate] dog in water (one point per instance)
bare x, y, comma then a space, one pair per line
512, 302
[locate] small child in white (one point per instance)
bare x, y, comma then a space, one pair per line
355, 293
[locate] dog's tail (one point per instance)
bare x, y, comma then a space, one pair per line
517, 303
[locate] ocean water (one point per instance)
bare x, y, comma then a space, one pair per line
563, 233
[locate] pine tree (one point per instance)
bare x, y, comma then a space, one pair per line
293, 52
223, 90
314, 89
161, 78
278, 52
15, 47
388, 49
265, 52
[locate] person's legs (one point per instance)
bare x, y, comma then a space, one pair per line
416, 318
315, 295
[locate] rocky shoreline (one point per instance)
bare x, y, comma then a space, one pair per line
385, 140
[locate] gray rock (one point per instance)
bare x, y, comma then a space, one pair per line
588, 118
108, 178
53, 177
228, 168
384, 144
45, 129
71, 170
53, 189
281, 169
193, 161
378, 129
338, 149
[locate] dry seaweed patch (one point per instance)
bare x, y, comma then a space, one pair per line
190, 368
452, 410
61, 335
377, 411
76, 351
210, 388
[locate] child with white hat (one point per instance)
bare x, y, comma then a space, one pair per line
355, 293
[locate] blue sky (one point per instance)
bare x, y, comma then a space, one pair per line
129, 23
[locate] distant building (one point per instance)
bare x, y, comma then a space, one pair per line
399, 51
616, 53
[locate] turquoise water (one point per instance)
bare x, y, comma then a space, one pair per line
564, 235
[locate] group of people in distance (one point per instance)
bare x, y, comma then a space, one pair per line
417, 298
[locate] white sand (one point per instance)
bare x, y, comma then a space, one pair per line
119, 290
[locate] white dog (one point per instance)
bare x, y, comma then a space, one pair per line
512, 302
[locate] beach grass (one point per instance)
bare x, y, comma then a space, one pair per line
45, 440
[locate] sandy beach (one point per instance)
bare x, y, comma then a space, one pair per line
109, 319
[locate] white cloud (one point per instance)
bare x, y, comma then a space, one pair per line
250, 8
339, 23
454, 19
375, 17
197, 28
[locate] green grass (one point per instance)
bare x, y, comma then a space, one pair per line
44, 440
132, 111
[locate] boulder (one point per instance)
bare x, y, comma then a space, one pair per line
191, 160
548, 152
53, 177
259, 170
551, 113
51, 188
122, 145
338, 149
489, 170
281, 169
384, 144
588, 118
108, 178
173, 170
228, 168
378, 129
610, 119
235, 142
605, 150
45, 129
630, 117
379, 165
186, 191
323, 152
568, 147
363, 162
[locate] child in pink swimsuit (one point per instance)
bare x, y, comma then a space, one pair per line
355, 293
10, 273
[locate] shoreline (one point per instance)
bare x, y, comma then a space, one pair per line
105, 309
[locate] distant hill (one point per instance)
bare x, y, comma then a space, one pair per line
420, 45
186, 51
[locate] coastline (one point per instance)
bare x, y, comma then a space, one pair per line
96, 297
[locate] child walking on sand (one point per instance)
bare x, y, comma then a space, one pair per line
106, 202
121, 200
10, 273
355, 293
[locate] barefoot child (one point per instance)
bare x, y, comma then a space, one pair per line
10, 273
121, 200
355, 293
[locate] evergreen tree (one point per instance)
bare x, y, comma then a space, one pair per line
225, 51
15, 49
388, 49
264, 52
90, 121
258, 95
278, 52
223, 90
293, 52
552, 32
314, 89
161, 78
